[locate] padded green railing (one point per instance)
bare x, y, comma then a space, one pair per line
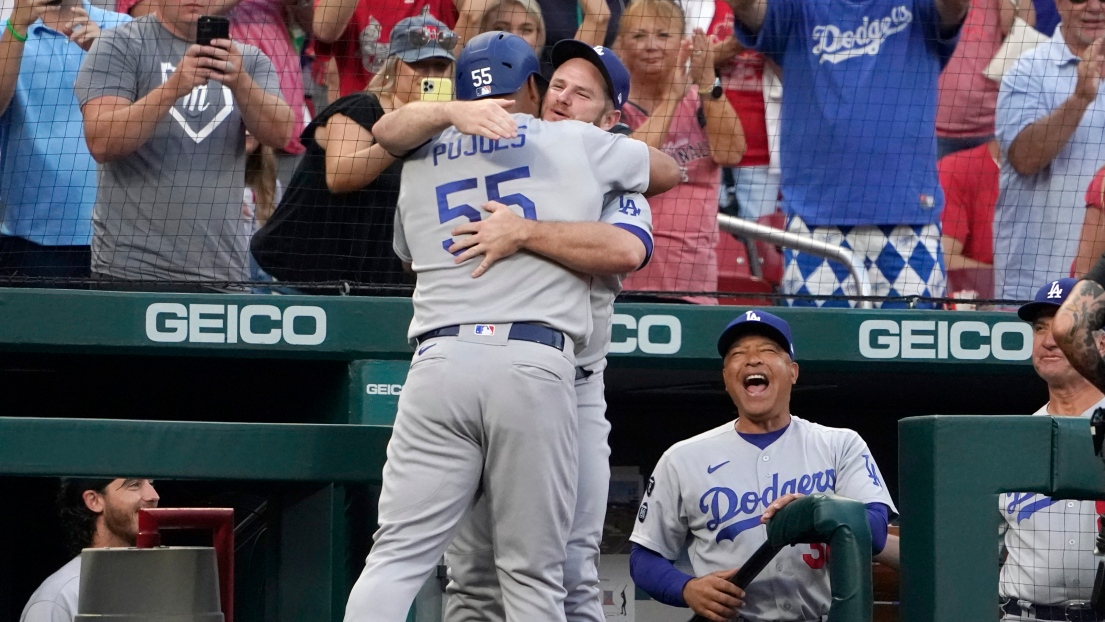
951, 470
842, 524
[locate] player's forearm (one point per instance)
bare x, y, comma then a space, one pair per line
663, 172
331, 17
750, 13
1074, 325
724, 131
1038, 144
264, 114
889, 555
119, 131
590, 247
657, 576
403, 130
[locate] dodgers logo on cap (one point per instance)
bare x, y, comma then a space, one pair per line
760, 322
1048, 297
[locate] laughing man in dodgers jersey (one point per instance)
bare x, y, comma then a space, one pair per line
1048, 573
489, 401
713, 492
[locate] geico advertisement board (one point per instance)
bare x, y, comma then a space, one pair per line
299, 325
963, 340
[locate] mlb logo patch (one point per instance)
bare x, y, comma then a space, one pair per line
485, 330
483, 90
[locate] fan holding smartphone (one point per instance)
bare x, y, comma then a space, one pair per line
47, 176
335, 221
189, 106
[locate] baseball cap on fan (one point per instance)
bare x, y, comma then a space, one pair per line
760, 323
1050, 296
421, 37
607, 62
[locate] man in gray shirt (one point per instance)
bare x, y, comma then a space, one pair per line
167, 119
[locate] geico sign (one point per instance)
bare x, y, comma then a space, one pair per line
170, 322
383, 389
967, 340
643, 340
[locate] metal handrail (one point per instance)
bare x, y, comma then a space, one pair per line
799, 242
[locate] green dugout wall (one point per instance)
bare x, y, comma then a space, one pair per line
952, 469
243, 361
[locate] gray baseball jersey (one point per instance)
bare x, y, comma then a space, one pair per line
474, 593
632, 212
173, 208
482, 411
1050, 544
551, 171
709, 492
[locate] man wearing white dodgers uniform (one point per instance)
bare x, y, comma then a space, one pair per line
714, 492
590, 85
1049, 571
489, 403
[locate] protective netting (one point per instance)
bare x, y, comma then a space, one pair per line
955, 158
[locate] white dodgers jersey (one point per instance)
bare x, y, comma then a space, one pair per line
1050, 544
632, 212
552, 171
708, 493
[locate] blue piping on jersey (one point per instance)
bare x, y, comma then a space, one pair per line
643, 236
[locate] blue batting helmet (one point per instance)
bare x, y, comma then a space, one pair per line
494, 63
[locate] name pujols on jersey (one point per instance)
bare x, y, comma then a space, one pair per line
465, 146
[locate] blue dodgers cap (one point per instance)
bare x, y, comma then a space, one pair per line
1050, 296
495, 63
607, 62
756, 321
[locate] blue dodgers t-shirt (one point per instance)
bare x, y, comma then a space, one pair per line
858, 137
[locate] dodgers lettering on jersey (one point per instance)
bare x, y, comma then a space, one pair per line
551, 171
708, 493
620, 209
1050, 544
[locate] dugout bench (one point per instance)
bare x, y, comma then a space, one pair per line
254, 361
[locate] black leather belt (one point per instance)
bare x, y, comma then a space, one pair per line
1074, 613
519, 331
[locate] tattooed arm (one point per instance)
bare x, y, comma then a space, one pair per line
1074, 326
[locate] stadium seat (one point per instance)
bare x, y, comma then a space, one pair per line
735, 276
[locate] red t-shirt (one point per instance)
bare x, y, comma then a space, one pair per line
743, 80
362, 48
970, 182
1093, 193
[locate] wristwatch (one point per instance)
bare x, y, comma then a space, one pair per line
714, 92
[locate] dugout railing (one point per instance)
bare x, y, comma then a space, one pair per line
952, 469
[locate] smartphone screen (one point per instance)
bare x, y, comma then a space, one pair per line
210, 27
437, 89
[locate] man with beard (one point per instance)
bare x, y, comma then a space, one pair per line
95, 513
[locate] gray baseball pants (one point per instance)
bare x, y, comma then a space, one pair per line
474, 594
477, 413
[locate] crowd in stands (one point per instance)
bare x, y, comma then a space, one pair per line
948, 150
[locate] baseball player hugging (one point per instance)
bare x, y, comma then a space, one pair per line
489, 406
713, 493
